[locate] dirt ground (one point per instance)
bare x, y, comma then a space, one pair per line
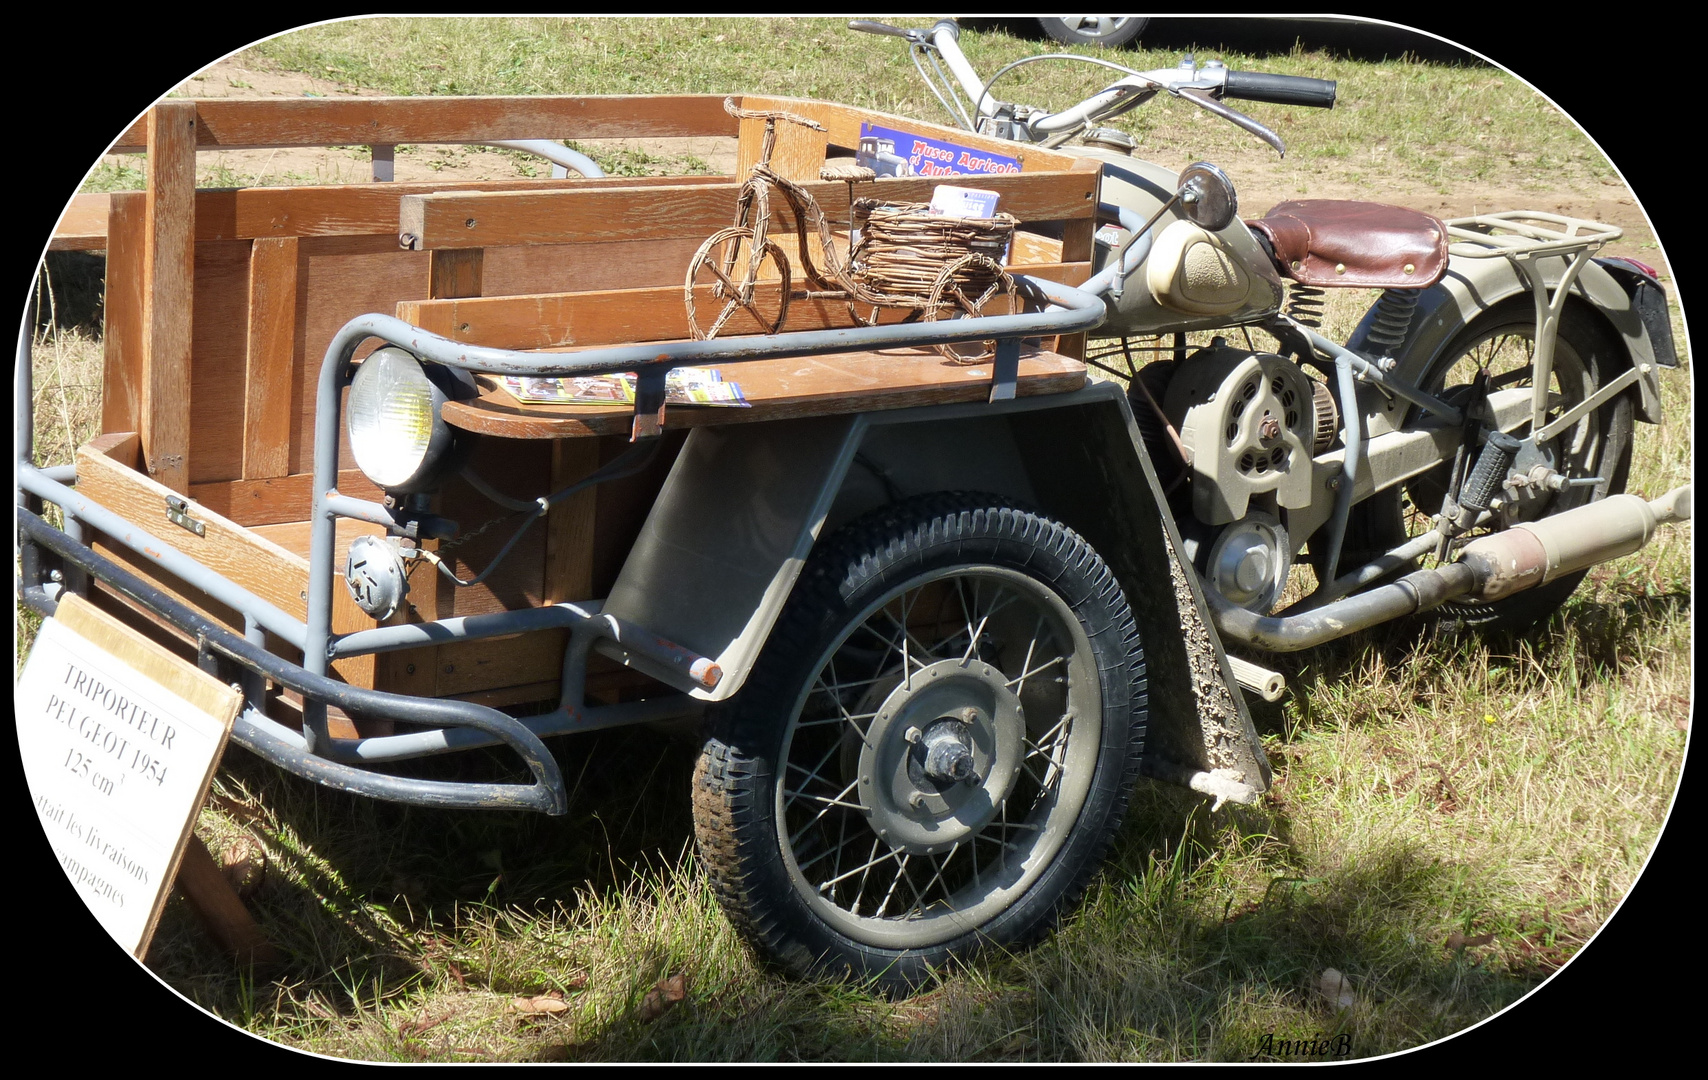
231, 79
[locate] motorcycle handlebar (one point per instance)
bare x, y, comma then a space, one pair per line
1280, 89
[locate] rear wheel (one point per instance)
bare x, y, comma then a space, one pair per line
969, 287
1597, 445
934, 749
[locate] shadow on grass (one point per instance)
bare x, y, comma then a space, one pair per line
1170, 959
1177, 975
356, 886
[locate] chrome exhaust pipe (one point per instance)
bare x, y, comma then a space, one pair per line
1519, 558
1537, 552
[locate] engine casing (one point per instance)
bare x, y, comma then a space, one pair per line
1248, 423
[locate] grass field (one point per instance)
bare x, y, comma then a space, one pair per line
1451, 820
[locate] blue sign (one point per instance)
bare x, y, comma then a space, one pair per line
889, 152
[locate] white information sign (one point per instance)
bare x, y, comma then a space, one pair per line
119, 739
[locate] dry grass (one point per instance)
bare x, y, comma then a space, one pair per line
1452, 820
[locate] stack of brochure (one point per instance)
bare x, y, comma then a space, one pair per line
683, 386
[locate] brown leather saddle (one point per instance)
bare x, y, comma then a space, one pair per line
1365, 245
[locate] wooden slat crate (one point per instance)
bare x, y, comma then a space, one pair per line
221, 303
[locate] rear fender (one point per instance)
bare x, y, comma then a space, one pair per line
1473, 286
745, 503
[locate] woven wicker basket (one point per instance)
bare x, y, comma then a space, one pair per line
904, 249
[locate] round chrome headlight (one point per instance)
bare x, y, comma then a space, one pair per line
396, 433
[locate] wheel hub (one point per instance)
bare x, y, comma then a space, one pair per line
940, 756
1250, 560
944, 753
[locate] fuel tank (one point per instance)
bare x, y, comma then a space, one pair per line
1159, 296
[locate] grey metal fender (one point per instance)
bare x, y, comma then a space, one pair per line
1473, 286
745, 503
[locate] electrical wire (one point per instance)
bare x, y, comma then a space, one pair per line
493, 494
628, 463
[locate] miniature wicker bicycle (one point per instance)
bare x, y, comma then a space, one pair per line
905, 257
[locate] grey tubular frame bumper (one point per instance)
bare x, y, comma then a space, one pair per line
1065, 310
273, 742
453, 725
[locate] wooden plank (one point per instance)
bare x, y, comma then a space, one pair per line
169, 584
83, 226
473, 666
500, 662
408, 671
1029, 247
547, 690
272, 349
124, 343
134, 615
542, 268
487, 219
844, 123
522, 470
147, 623
620, 316
168, 284
219, 342
797, 154
337, 288
275, 500
609, 317
270, 561
525, 667
454, 272
569, 524
365, 209
259, 565
122, 447
233, 124
1077, 235
294, 536
782, 389
1079, 243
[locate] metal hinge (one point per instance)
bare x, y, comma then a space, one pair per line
178, 513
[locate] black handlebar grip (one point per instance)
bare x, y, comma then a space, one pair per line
1280, 89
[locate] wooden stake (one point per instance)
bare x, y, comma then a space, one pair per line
168, 291
212, 898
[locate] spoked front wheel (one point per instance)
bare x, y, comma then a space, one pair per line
933, 750
727, 271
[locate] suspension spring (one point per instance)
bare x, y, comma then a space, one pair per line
1305, 305
1392, 321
